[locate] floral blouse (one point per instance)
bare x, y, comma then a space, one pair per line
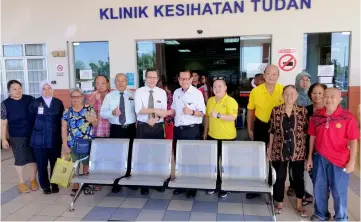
78, 126
297, 128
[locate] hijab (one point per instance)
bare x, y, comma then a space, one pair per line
46, 99
303, 99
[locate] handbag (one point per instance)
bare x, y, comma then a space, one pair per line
81, 146
63, 172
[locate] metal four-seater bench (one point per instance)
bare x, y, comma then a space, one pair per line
244, 167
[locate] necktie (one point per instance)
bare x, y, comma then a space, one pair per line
151, 102
122, 117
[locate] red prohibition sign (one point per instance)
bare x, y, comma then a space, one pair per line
285, 66
59, 68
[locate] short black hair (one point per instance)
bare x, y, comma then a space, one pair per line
152, 70
258, 75
11, 82
309, 93
190, 72
106, 77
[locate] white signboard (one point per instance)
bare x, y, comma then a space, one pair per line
326, 70
59, 69
86, 74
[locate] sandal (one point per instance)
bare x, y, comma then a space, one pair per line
23, 188
307, 201
290, 192
34, 185
302, 213
278, 210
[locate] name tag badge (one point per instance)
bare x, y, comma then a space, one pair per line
40, 110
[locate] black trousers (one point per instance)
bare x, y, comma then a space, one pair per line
260, 131
281, 171
219, 156
145, 131
42, 157
128, 131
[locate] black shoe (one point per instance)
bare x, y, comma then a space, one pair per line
47, 191
144, 191
191, 193
54, 188
178, 191
223, 194
252, 195
160, 189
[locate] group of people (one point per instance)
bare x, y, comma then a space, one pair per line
301, 125
304, 126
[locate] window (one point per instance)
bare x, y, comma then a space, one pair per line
327, 59
25, 63
90, 58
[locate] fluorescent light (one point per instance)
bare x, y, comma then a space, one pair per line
255, 37
76, 43
184, 50
231, 40
171, 42
230, 49
346, 33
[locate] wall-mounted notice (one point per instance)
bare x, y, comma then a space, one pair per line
130, 78
325, 79
86, 86
86, 74
287, 60
59, 69
326, 70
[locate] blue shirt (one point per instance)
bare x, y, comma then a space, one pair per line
16, 112
111, 101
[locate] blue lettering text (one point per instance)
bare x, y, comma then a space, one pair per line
238, 6
306, 3
255, 2
143, 11
112, 16
264, 5
207, 9
158, 10
217, 4
179, 10
198, 9
227, 8
104, 13
292, 3
279, 6
169, 10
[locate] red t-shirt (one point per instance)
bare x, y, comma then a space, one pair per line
333, 133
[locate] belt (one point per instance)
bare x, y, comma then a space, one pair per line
141, 123
187, 126
125, 126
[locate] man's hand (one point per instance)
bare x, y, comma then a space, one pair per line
161, 112
5, 143
214, 114
350, 167
250, 134
152, 121
116, 112
309, 164
187, 111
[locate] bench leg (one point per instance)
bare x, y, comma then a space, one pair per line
76, 197
272, 206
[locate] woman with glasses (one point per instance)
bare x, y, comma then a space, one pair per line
46, 112
15, 119
287, 146
77, 123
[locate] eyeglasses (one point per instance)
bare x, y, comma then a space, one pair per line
218, 78
184, 79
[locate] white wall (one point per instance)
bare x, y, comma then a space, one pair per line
47, 21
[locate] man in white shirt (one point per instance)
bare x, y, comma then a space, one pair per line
118, 108
150, 107
189, 108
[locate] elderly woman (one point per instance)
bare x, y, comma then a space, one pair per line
287, 146
77, 123
46, 112
15, 118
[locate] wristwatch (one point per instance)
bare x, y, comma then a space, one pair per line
218, 115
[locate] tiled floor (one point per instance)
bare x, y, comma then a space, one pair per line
130, 205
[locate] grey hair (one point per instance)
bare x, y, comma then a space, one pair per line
77, 90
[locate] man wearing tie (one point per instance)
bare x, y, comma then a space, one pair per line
118, 108
150, 107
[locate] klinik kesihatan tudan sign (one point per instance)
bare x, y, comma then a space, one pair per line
200, 9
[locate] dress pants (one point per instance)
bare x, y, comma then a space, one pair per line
42, 157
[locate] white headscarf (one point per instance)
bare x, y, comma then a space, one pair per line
46, 99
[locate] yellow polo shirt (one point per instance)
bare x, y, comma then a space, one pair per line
263, 102
217, 128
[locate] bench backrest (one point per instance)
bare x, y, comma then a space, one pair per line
151, 157
244, 160
196, 158
109, 156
